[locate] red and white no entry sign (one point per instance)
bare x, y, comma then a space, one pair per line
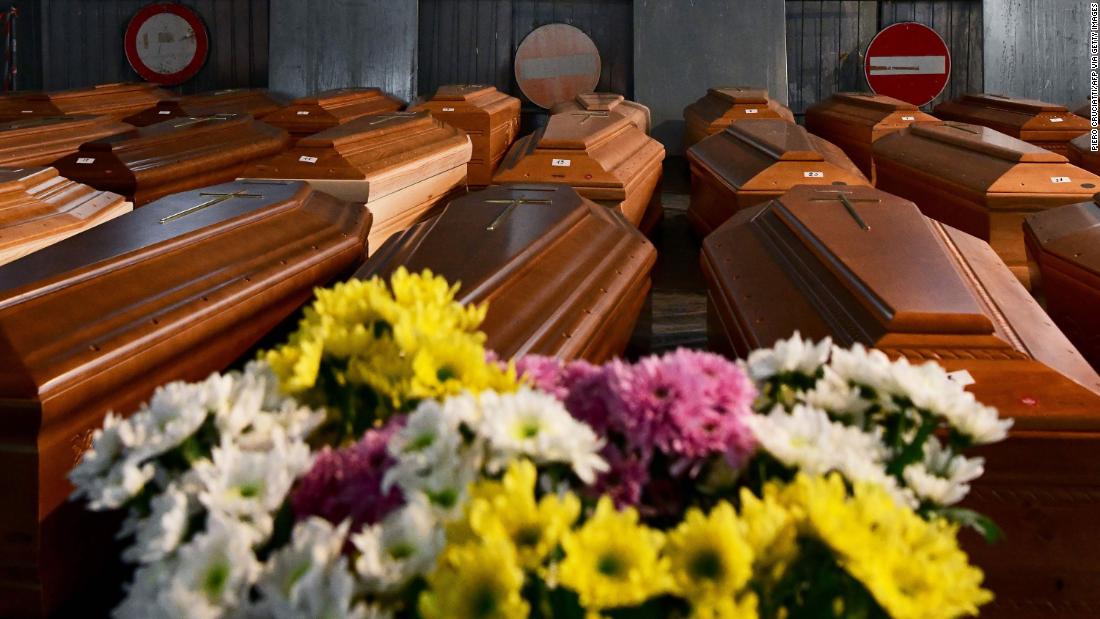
908, 61
166, 43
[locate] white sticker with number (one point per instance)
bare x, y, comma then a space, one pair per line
448, 109
752, 110
164, 112
27, 111
85, 160
813, 174
1058, 180
962, 377
1057, 120
561, 163
307, 159
909, 118
303, 113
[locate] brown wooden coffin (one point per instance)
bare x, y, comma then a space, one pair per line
750, 163
328, 109
39, 208
115, 100
400, 164
172, 156
873, 270
600, 154
14, 105
607, 102
172, 291
488, 116
41, 140
854, 121
563, 276
979, 180
257, 102
722, 106
1082, 155
1048, 125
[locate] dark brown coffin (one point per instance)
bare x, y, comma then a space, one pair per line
328, 109
488, 116
854, 121
1048, 125
722, 106
563, 276
257, 102
115, 100
1082, 155
172, 291
750, 163
172, 156
400, 164
39, 208
41, 140
607, 102
600, 154
915, 288
980, 181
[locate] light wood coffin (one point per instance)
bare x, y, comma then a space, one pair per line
400, 164
172, 156
172, 291
257, 102
750, 163
488, 116
600, 154
980, 181
42, 140
115, 100
328, 109
607, 102
1048, 125
39, 208
891, 278
854, 121
563, 276
723, 106
1082, 155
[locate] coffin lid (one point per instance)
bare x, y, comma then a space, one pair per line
341, 96
599, 101
461, 92
778, 139
167, 131
985, 140
41, 124
366, 127
870, 100
1032, 106
97, 90
581, 130
1070, 232
739, 94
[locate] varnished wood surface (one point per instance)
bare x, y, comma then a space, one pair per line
308, 115
1048, 125
256, 102
607, 102
1082, 155
115, 100
722, 106
42, 140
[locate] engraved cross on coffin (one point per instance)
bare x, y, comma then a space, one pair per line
842, 196
589, 116
507, 210
217, 199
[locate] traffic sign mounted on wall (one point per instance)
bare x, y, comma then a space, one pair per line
908, 61
166, 43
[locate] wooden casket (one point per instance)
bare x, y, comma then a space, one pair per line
1048, 125
325, 110
607, 102
750, 163
1082, 155
722, 106
172, 291
115, 100
400, 164
38, 208
172, 156
41, 140
488, 116
563, 276
257, 102
854, 121
873, 270
1063, 249
600, 154
980, 181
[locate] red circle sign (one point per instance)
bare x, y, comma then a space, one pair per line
166, 43
908, 61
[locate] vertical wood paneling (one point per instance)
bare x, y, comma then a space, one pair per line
1038, 49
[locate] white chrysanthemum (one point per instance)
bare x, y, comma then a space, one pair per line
839, 397
430, 436
111, 472
929, 388
863, 366
431, 453
943, 478
258, 410
401, 547
149, 582
537, 426
160, 533
176, 411
791, 355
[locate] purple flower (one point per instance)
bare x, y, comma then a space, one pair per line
625, 481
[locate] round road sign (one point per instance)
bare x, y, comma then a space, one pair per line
555, 63
166, 43
908, 61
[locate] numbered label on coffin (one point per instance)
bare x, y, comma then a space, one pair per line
308, 115
115, 100
722, 106
257, 102
1047, 125
43, 140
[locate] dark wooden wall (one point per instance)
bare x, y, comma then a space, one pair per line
474, 41
826, 40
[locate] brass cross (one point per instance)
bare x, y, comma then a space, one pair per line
847, 202
392, 116
961, 127
508, 209
217, 198
194, 120
588, 115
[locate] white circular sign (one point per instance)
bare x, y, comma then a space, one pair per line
166, 43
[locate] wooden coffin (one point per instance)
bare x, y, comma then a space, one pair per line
607, 102
722, 106
488, 116
979, 180
13, 105
563, 276
172, 156
1048, 125
400, 164
172, 291
600, 154
854, 121
257, 102
41, 140
1082, 155
328, 109
115, 100
754, 162
39, 208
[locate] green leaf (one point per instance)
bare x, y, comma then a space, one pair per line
971, 519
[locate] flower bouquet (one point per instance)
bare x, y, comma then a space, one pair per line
382, 463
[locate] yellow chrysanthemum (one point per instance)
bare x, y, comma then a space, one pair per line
613, 561
770, 530
475, 581
297, 365
709, 557
742, 607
